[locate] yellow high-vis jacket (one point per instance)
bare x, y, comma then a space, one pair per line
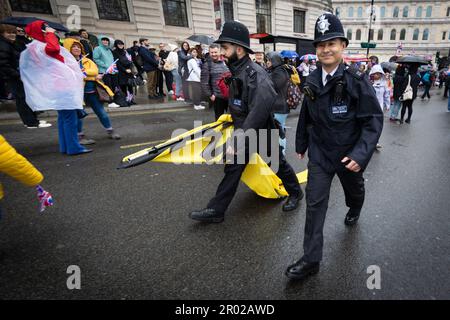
16, 166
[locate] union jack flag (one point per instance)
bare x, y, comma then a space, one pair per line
112, 69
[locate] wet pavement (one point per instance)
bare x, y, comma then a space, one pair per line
129, 233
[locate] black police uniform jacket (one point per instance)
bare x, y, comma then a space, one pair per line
251, 96
333, 126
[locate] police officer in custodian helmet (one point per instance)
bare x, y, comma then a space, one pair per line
251, 98
339, 124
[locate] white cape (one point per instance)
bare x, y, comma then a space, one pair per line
50, 84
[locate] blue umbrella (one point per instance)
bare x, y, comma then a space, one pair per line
309, 57
289, 54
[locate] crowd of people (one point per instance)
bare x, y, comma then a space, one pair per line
340, 122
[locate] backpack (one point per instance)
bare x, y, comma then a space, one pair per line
293, 95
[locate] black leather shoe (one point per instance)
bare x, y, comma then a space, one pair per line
207, 215
302, 269
352, 217
292, 203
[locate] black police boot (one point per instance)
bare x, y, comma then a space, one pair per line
207, 215
352, 217
302, 269
292, 202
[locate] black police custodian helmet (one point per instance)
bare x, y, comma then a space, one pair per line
328, 27
236, 33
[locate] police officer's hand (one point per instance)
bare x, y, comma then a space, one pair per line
352, 165
301, 156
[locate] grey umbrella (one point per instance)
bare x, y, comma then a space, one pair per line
201, 38
412, 60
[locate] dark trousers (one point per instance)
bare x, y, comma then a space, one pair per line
185, 88
227, 188
427, 91
195, 92
317, 195
446, 91
407, 104
167, 75
220, 106
27, 115
112, 81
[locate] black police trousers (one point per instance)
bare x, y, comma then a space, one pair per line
317, 195
227, 188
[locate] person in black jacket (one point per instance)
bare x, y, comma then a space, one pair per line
250, 103
21, 39
340, 123
163, 74
280, 79
183, 58
124, 65
150, 66
9, 72
414, 79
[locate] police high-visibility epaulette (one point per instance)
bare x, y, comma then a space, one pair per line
354, 72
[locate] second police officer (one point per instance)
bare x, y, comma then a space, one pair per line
339, 124
250, 104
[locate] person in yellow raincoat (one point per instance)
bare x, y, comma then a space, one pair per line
16, 166
91, 98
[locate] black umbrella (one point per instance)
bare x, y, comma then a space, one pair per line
391, 66
201, 38
23, 21
412, 60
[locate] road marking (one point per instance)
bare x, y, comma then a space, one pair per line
141, 144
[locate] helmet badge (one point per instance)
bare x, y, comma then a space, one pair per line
323, 24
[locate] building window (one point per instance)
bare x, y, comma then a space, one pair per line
349, 34
444, 34
383, 12
35, 6
380, 34
371, 32
425, 34
350, 12
358, 34
419, 12
402, 34
299, 21
113, 10
405, 12
448, 11
393, 34
263, 16
416, 34
395, 13
175, 13
228, 10
338, 12
360, 12
429, 9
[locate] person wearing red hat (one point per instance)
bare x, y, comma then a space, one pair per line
65, 95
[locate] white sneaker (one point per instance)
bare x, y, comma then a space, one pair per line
199, 107
40, 125
170, 92
42, 121
180, 99
113, 105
